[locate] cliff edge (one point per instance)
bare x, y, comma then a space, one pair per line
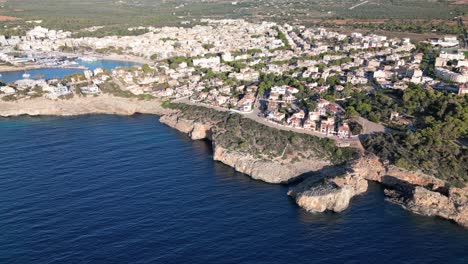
414, 190
275, 170
102, 104
333, 194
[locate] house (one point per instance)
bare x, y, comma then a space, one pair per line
245, 104
292, 90
7, 90
372, 63
221, 100
327, 128
207, 62
90, 89
323, 127
321, 103
276, 116
309, 124
294, 121
394, 115
380, 74
289, 98
272, 106
167, 92
332, 109
279, 90
300, 114
225, 90
274, 96
88, 74
203, 95
343, 131
321, 110
98, 71
252, 89
314, 116
339, 88
321, 88
57, 91
451, 76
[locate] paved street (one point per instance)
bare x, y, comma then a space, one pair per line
254, 115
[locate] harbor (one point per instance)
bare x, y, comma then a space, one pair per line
58, 71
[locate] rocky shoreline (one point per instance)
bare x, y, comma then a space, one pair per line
415, 191
103, 104
324, 191
332, 194
264, 170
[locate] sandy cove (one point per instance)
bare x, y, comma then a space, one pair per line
103, 104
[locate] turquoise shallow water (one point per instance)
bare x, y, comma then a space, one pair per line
58, 73
109, 189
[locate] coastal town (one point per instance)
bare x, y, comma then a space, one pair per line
291, 77
234, 131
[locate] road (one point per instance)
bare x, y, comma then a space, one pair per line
360, 4
254, 115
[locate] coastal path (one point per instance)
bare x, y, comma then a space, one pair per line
255, 116
360, 4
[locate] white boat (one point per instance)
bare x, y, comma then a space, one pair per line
88, 59
26, 76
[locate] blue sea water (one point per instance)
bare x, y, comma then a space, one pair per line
110, 189
59, 73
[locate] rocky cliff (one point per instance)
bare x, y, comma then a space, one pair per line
267, 171
103, 104
195, 130
271, 171
332, 194
414, 190
371, 168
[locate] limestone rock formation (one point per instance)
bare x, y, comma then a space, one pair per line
329, 194
267, 171
270, 171
195, 130
431, 203
414, 190
103, 104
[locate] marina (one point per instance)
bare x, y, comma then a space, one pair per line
58, 71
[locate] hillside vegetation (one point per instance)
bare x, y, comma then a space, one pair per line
233, 132
434, 141
118, 15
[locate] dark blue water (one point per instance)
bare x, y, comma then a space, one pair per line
59, 73
108, 189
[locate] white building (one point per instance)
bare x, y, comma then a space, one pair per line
446, 42
207, 62
451, 76
90, 89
